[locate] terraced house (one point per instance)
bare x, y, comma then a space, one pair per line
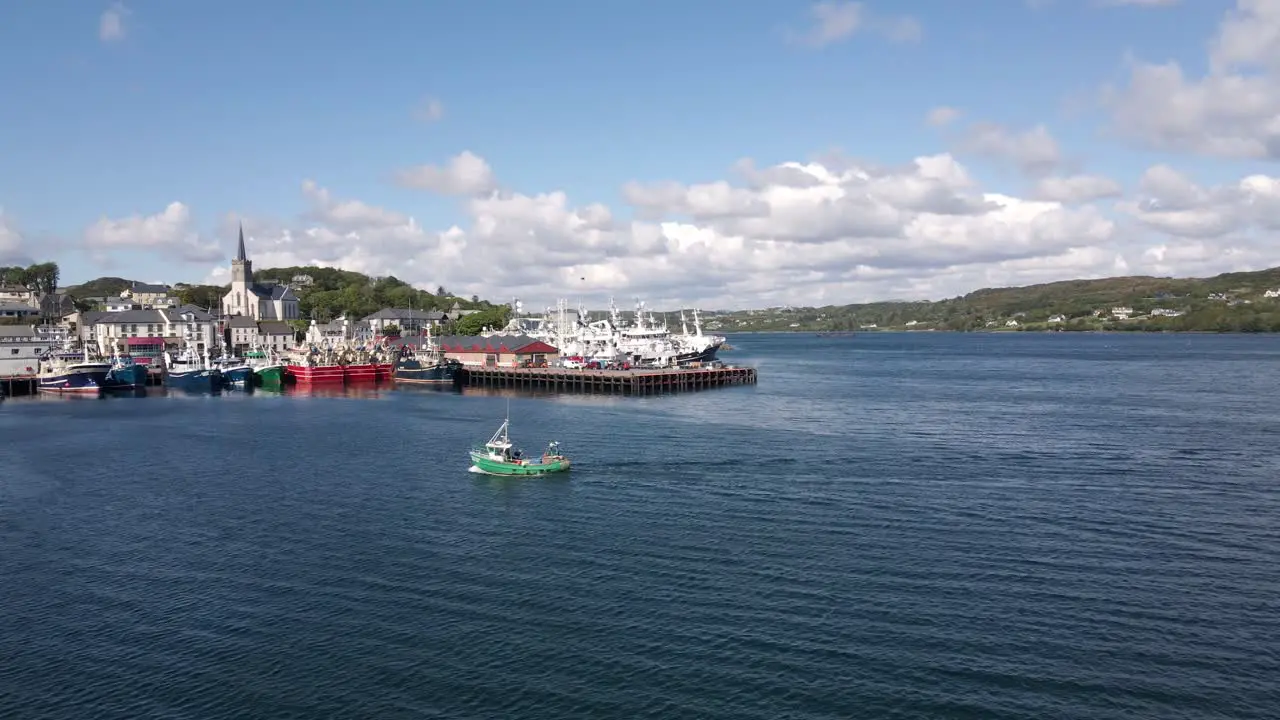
147, 333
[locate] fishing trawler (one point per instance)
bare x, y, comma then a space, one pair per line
191, 371
425, 364
314, 364
235, 372
642, 341
268, 370
70, 371
125, 372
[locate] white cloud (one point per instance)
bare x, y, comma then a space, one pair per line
169, 231
429, 110
942, 115
1034, 151
799, 232
1231, 111
466, 174
111, 23
1074, 189
832, 22
1170, 203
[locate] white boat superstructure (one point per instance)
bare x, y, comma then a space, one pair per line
644, 340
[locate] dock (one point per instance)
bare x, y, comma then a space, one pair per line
17, 385
606, 382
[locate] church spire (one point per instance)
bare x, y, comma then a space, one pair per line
240, 250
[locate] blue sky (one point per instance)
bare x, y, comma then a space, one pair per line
228, 107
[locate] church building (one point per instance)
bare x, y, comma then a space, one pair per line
256, 300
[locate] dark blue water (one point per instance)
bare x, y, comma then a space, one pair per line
888, 526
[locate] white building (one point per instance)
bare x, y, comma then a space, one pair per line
157, 327
260, 301
1057, 318
332, 332
1165, 312
18, 295
245, 334
20, 346
410, 322
1271, 294
149, 296
1121, 313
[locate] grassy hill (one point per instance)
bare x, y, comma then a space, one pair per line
100, 287
1232, 302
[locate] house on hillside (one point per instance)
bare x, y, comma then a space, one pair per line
410, 322
1057, 318
17, 294
147, 295
1121, 312
1271, 294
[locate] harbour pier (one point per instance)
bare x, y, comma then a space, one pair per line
605, 382
17, 385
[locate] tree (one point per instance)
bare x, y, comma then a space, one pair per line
391, 330
495, 317
205, 296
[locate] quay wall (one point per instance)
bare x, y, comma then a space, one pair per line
607, 382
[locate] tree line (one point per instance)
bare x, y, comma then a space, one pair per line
40, 277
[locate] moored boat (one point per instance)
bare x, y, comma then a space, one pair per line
311, 365
235, 372
125, 373
192, 372
500, 457
72, 372
268, 371
425, 364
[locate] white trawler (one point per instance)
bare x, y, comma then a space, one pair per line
643, 341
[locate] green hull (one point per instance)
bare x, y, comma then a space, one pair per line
269, 376
488, 465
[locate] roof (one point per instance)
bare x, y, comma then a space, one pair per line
13, 307
17, 331
275, 327
175, 314
405, 314
240, 321
275, 292
517, 344
240, 254
10, 288
125, 316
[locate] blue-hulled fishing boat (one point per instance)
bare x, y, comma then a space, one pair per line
125, 373
75, 372
191, 371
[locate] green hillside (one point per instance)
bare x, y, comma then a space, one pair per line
1232, 302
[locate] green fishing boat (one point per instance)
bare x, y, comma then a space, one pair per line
268, 371
499, 457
